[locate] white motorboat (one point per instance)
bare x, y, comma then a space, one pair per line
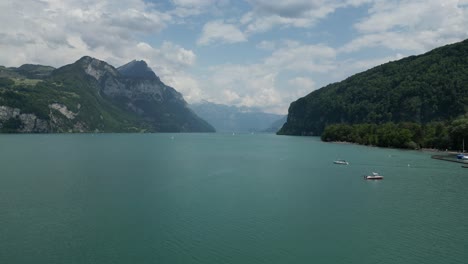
341, 162
374, 176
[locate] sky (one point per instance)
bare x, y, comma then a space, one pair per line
255, 53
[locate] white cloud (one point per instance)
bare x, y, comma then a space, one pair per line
266, 45
390, 40
193, 3
303, 83
56, 32
60, 30
349, 67
299, 57
176, 55
417, 25
266, 15
186, 84
260, 84
245, 85
218, 31
188, 8
258, 24
288, 8
291, 71
302, 86
170, 62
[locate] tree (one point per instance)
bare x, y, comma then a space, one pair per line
459, 130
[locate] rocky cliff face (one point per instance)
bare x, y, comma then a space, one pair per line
12, 119
137, 69
96, 68
144, 84
92, 96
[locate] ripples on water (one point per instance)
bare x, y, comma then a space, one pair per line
214, 198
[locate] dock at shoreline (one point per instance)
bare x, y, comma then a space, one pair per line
451, 158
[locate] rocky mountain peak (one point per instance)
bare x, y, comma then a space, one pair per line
96, 68
137, 69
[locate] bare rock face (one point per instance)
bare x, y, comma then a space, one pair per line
91, 95
137, 69
133, 81
42, 126
8, 112
29, 123
63, 110
97, 68
144, 83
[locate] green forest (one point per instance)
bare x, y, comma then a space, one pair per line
414, 100
434, 135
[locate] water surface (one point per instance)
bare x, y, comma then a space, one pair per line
220, 198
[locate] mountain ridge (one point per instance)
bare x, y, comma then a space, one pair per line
226, 118
91, 95
421, 89
137, 69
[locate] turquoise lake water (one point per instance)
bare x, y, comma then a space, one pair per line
221, 198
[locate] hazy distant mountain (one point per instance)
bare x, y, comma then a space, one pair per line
92, 96
234, 119
276, 126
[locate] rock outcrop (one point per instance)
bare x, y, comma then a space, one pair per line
91, 95
12, 119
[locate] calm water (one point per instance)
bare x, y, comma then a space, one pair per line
214, 198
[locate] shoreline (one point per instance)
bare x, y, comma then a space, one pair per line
433, 150
450, 159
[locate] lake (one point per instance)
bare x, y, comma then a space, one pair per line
222, 198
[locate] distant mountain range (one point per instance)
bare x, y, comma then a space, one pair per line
92, 96
237, 119
276, 126
420, 89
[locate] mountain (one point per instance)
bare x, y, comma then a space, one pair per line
420, 89
234, 119
26, 71
92, 96
137, 69
276, 126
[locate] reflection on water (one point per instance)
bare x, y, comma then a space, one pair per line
214, 198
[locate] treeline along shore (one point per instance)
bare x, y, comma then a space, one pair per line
416, 102
407, 135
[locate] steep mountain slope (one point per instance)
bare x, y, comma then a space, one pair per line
92, 96
137, 69
276, 126
421, 89
146, 95
234, 119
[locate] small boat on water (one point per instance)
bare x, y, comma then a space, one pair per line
341, 162
462, 156
374, 176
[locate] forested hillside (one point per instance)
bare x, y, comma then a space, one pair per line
434, 135
432, 87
